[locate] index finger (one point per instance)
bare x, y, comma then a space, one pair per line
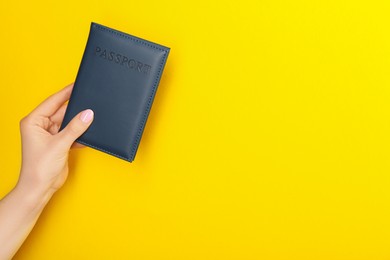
51, 104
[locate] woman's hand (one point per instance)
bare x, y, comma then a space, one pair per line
44, 149
44, 167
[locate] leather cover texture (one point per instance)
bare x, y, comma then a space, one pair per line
117, 79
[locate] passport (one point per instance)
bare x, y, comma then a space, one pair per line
118, 78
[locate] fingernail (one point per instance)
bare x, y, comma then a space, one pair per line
86, 116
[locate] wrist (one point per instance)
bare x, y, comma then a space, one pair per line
31, 194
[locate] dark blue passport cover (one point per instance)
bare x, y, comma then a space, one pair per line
117, 79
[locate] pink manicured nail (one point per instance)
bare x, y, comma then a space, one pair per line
86, 116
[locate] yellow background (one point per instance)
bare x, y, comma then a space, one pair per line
268, 137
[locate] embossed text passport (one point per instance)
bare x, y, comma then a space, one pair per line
118, 79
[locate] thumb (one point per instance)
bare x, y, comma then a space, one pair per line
76, 127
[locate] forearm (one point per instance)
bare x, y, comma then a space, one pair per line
19, 211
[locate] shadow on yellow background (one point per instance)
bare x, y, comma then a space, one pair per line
268, 137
